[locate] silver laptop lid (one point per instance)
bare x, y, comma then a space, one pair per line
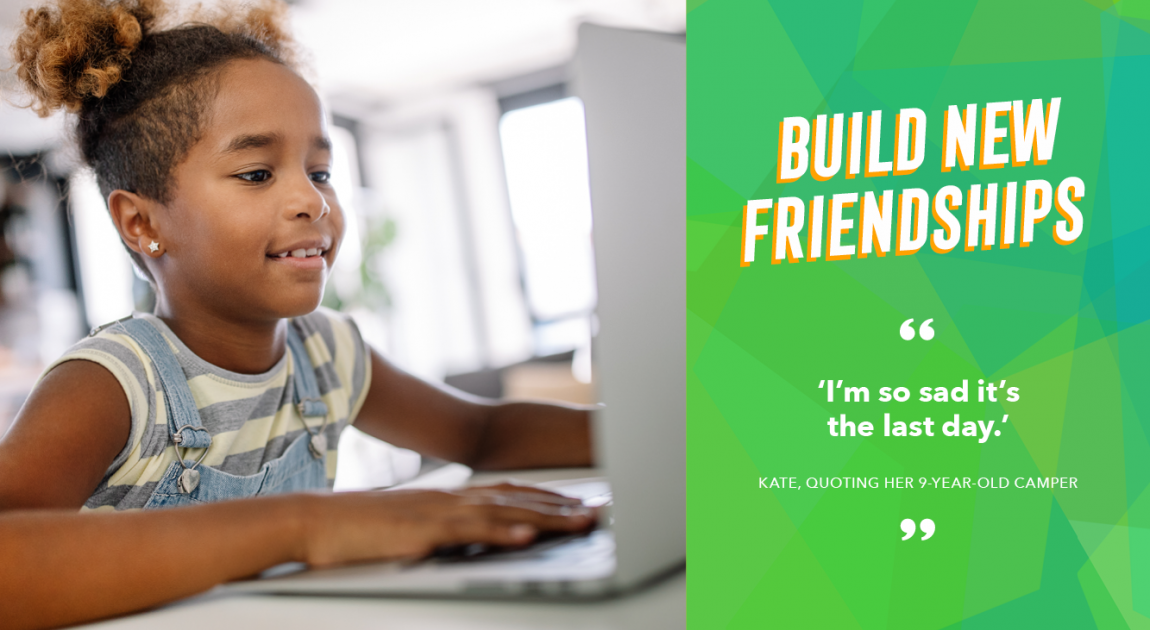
633, 86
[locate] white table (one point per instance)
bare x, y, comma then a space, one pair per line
659, 606
656, 608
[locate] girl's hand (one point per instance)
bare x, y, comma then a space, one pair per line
409, 524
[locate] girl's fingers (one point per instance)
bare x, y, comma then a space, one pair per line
522, 500
547, 519
482, 530
505, 525
522, 493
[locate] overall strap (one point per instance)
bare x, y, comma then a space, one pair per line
307, 396
183, 417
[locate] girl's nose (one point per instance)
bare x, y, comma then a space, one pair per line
306, 201
314, 214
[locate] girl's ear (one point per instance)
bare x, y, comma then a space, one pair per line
135, 217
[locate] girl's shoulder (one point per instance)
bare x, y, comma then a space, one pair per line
341, 358
337, 331
116, 351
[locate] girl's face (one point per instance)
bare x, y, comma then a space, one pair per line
254, 224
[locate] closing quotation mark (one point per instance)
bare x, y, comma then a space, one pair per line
924, 331
907, 526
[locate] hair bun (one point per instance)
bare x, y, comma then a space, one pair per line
73, 50
265, 21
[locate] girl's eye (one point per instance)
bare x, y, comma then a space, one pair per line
262, 175
321, 177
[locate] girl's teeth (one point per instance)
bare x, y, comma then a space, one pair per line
301, 253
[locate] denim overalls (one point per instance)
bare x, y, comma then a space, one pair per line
301, 467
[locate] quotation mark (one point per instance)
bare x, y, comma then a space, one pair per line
924, 331
927, 527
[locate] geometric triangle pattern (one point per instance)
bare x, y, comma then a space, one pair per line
949, 435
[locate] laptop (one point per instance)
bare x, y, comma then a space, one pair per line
633, 86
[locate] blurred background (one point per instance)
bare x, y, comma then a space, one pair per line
460, 160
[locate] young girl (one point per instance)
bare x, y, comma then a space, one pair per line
213, 156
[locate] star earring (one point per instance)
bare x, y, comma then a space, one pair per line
155, 247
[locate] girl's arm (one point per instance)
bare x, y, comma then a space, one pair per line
446, 423
74, 423
60, 567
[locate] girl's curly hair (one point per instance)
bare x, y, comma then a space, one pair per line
139, 92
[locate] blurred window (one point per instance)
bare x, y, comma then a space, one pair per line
106, 275
345, 279
545, 158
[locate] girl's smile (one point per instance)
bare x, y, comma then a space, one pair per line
307, 254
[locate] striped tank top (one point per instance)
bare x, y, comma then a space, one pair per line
250, 416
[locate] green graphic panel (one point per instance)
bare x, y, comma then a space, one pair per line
1036, 512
